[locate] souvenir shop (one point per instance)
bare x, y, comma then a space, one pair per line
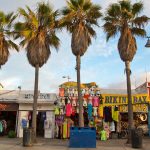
45, 114
115, 113
67, 109
8, 117
106, 112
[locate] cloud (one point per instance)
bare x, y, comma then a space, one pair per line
136, 80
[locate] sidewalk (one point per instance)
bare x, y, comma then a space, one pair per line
55, 144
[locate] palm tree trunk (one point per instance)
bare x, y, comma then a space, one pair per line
81, 123
35, 102
130, 107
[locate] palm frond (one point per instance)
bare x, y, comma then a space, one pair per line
137, 8
138, 32
114, 10
23, 13
54, 41
125, 5
13, 45
87, 5
91, 31
140, 21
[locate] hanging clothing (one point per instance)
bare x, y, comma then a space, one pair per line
63, 102
84, 103
108, 114
95, 111
95, 101
56, 110
90, 100
115, 113
103, 135
74, 103
75, 92
1, 127
77, 110
68, 110
61, 111
89, 110
100, 111
65, 130
73, 111
112, 126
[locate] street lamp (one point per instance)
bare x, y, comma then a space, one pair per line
67, 77
148, 42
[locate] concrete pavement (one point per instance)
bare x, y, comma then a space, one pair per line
55, 144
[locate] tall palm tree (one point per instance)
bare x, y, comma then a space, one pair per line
78, 18
37, 32
6, 43
123, 17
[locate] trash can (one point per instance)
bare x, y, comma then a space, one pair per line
27, 136
82, 137
136, 135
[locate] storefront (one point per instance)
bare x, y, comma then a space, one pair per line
140, 112
45, 114
8, 117
101, 110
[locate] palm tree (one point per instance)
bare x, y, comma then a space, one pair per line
37, 32
6, 43
78, 18
123, 17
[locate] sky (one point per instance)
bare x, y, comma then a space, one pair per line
101, 63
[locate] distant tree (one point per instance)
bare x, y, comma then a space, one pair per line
37, 31
123, 17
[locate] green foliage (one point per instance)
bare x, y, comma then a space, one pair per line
11, 134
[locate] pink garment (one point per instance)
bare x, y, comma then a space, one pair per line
68, 110
95, 101
74, 101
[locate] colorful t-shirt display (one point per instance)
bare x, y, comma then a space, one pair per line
68, 110
89, 106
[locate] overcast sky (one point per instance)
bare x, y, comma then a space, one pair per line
101, 63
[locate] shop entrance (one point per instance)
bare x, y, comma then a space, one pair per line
7, 121
41, 116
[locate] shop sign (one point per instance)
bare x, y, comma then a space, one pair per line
8, 107
41, 96
122, 99
136, 108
